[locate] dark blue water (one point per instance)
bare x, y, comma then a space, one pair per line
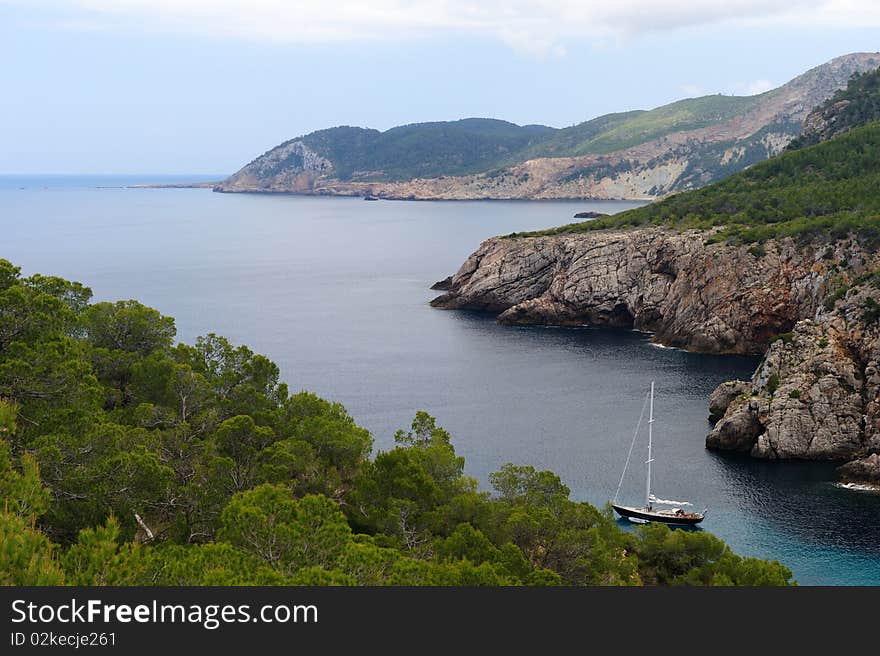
336, 291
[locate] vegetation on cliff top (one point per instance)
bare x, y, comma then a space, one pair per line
128, 459
857, 105
826, 189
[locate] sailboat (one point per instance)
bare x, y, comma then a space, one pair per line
665, 511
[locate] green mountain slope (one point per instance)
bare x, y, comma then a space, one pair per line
827, 188
827, 182
476, 145
856, 105
634, 128
423, 149
636, 154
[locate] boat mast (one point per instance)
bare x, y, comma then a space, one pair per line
650, 459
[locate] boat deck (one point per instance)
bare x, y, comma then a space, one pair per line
663, 515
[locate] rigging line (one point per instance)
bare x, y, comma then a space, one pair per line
632, 444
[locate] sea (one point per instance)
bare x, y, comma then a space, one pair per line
336, 292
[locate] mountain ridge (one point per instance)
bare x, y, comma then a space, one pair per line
640, 154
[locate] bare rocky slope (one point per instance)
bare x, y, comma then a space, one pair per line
815, 394
652, 162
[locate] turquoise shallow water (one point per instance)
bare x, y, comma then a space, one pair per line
336, 291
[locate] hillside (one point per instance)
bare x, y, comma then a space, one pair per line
827, 188
636, 154
621, 131
858, 104
423, 149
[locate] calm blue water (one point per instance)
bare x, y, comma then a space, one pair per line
336, 291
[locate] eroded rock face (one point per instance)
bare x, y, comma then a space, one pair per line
739, 429
724, 395
815, 395
713, 298
804, 401
864, 471
290, 167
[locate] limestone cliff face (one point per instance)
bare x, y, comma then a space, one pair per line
699, 296
292, 167
814, 395
804, 401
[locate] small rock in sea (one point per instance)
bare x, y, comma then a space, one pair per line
589, 215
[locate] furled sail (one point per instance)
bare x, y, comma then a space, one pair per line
668, 502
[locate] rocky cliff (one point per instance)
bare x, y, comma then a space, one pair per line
814, 395
857, 105
638, 155
703, 297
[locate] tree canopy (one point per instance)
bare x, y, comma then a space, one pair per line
127, 459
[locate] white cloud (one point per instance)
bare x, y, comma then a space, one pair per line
534, 27
531, 45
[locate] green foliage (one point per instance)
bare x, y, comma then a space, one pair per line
794, 394
422, 149
22, 492
820, 187
216, 563
617, 131
287, 533
773, 384
824, 191
785, 338
856, 105
477, 145
836, 295
127, 460
676, 557
98, 558
26, 555
128, 326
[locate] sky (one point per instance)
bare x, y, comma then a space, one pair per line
204, 86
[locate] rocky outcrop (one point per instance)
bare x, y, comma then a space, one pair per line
855, 106
291, 167
697, 153
442, 285
724, 395
689, 293
804, 401
865, 471
816, 393
738, 428
824, 122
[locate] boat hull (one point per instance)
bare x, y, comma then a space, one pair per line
644, 515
